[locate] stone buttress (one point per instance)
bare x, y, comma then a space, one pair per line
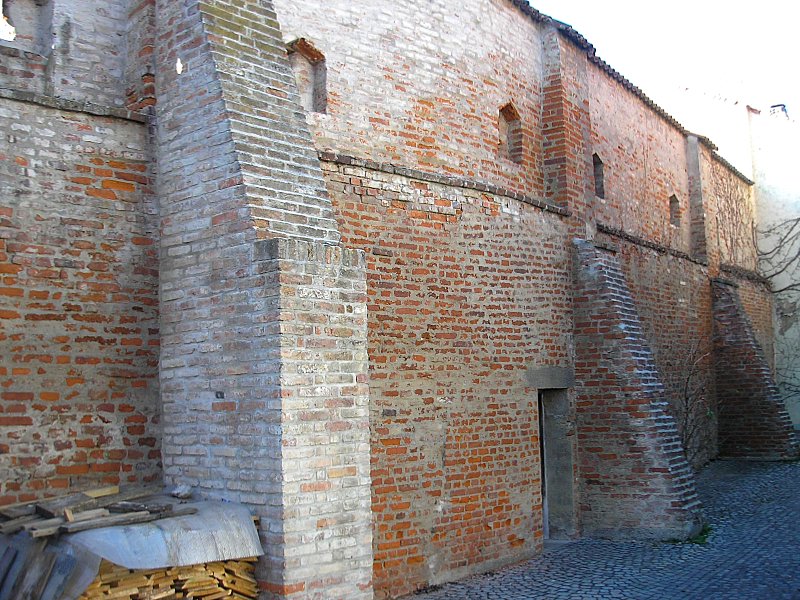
753, 421
263, 325
634, 475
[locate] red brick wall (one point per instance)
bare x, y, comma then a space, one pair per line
673, 298
644, 160
466, 290
79, 312
408, 93
753, 418
634, 477
757, 302
730, 215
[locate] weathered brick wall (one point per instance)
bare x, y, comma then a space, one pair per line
634, 475
263, 341
566, 130
468, 276
21, 70
79, 312
730, 214
673, 299
209, 218
139, 76
426, 92
89, 51
757, 299
644, 159
753, 417
319, 544
466, 291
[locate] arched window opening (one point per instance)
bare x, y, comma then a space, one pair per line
310, 71
674, 211
510, 126
599, 183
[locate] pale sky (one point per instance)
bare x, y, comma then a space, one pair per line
737, 51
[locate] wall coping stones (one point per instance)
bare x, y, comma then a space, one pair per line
634, 239
305, 251
448, 180
73, 106
745, 274
576, 38
723, 281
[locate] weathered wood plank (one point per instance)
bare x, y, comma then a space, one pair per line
122, 519
15, 525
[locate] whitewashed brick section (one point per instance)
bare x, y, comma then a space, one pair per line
323, 542
283, 179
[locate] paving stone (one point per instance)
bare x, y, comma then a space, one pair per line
753, 551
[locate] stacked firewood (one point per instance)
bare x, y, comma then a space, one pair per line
232, 579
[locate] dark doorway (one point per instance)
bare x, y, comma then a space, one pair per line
555, 443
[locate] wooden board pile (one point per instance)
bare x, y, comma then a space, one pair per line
105, 507
232, 579
33, 569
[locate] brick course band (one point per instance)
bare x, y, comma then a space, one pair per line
88, 108
745, 274
633, 239
457, 182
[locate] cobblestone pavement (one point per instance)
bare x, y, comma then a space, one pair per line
753, 551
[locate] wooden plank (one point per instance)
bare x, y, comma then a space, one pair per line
103, 491
121, 519
47, 527
17, 524
110, 521
21, 509
131, 493
56, 506
153, 507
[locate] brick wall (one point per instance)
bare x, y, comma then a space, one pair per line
644, 160
634, 475
466, 267
79, 313
566, 129
21, 70
426, 93
319, 538
89, 51
139, 76
263, 340
753, 418
466, 291
730, 215
756, 298
673, 299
